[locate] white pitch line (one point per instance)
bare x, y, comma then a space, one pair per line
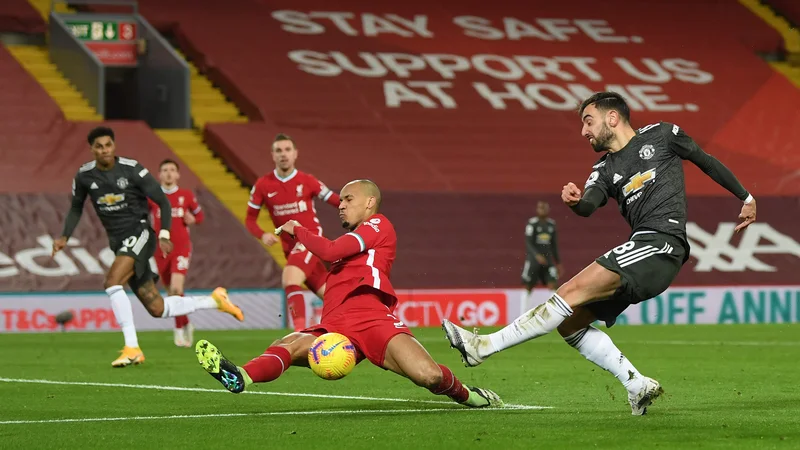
671, 342
285, 394
278, 413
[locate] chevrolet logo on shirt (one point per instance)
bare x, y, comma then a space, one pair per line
638, 181
111, 199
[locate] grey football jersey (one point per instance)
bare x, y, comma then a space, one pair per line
646, 179
119, 195
541, 239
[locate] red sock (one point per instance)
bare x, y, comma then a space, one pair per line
181, 321
269, 366
451, 387
296, 306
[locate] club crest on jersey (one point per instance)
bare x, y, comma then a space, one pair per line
122, 183
647, 151
638, 182
111, 199
180, 200
299, 190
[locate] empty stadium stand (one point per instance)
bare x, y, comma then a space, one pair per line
465, 114
40, 152
787, 8
18, 16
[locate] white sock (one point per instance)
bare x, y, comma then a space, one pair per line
534, 323
175, 305
121, 305
598, 348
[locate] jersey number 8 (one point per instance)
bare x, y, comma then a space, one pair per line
621, 248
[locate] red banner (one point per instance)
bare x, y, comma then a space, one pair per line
114, 53
467, 308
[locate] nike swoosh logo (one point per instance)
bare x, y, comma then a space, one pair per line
272, 194
330, 350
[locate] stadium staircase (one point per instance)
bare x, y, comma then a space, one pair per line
210, 105
43, 7
36, 61
791, 39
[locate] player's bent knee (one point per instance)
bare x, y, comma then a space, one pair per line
580, 319
427, 376
155, 309
292, 275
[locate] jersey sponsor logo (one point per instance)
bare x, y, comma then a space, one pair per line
543, 238
633, 198
143, 172
617, 177
290, 208
111, 199
122, 183
647, 151
675, 129
638, 182
376, 221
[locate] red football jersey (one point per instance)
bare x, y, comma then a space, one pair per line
290, 198
363, 257
182, 201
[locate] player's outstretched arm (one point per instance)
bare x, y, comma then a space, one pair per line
686, 148
153, 191
327, 250
73, 216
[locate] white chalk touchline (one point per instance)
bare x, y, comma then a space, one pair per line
671, 342
277, 413
285, 394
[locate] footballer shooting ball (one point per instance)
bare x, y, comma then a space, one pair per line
332, 356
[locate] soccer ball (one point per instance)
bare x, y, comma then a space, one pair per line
332, 356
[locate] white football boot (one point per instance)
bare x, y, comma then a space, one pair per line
652, 390
465, 342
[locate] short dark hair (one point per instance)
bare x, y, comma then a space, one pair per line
169, 161
284, 137
606, 101
99, 132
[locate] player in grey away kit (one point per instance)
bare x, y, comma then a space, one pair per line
642, 170
542, 263
118, 188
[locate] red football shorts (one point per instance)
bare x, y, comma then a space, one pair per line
176, 261
310, 264
367, 322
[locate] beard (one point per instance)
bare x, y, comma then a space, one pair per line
602, 140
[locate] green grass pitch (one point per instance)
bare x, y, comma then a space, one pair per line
726, 387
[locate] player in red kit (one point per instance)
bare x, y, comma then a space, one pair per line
174, 266
289, 194
359, 303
